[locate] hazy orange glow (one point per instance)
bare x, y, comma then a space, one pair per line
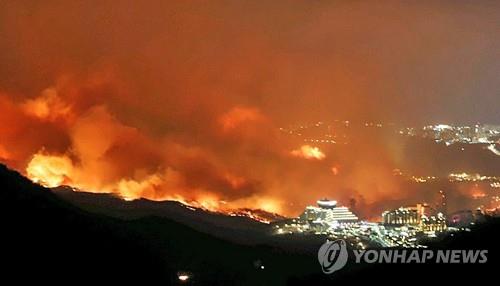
235, 181
3, 153
335, 170
269, 205
48, 106
184, 101
239, 115
478, 195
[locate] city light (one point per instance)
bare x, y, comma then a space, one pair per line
183, 277
403, 227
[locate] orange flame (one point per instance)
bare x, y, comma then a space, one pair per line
49, 171
309, 152
56, 170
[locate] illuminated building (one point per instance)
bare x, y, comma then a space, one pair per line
404, 227
442, 206
324, 218
405, 215
417, 216
328, 212
433, 223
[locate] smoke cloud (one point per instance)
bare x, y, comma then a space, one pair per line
183, 100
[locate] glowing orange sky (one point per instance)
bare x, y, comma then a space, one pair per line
183, 100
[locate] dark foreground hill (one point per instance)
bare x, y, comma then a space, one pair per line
233, 228
47, 240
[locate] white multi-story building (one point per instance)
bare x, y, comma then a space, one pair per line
327, 212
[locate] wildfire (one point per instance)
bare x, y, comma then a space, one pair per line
132, 189
209, 203
309, 152
56, 170
49, 171
250, 214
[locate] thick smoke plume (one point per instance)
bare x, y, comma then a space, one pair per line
180, 100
